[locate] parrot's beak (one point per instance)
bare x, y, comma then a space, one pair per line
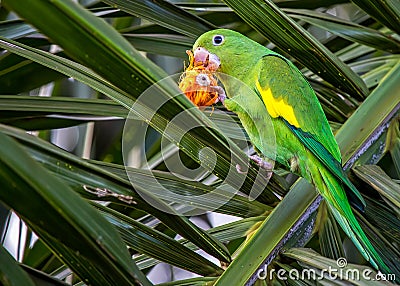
205, 58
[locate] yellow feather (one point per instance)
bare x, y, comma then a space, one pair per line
277, 107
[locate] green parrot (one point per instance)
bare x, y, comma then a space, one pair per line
304, 141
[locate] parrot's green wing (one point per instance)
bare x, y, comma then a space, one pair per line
287, 94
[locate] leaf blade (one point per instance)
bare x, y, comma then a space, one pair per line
274, 24
89, 233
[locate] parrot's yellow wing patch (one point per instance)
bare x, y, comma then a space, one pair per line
277, 107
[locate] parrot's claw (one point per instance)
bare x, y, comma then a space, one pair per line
262, 163
221, 94
239, 169
265, 165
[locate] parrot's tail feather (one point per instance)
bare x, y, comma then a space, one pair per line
333, 192
354, 237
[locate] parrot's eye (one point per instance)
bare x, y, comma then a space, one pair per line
218, 40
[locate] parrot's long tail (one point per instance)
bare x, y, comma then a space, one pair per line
333, 192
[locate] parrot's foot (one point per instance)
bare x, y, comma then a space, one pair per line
268, 166
265, 165
221, 93
239, 169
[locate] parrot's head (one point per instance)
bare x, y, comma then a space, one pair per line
226, 51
